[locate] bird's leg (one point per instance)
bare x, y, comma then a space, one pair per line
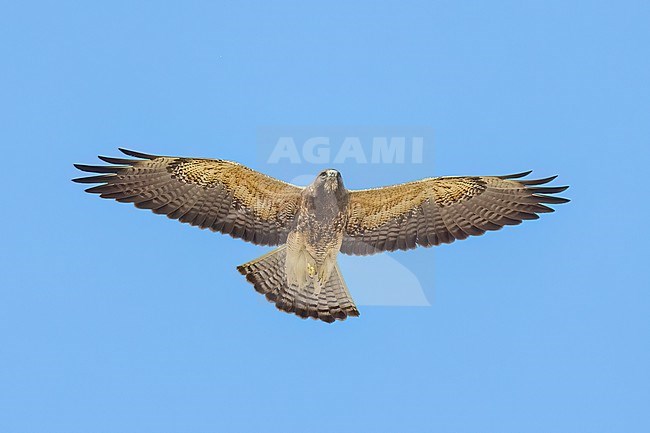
317, 287
326, 268
314, 275
311, 270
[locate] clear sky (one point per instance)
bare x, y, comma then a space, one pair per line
113, 319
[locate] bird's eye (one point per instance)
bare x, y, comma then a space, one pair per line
323, 174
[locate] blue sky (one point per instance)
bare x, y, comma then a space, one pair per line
114, 319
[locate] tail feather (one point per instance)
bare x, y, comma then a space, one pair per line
267, 274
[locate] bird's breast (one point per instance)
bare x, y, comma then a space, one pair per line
320, 227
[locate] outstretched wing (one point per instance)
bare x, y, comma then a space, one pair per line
209, 193
440, 210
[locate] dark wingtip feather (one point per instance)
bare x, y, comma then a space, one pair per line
94, 189
119, 161
94, 179
99, 168
541, 198
548, 189
516, 175
529, 182
540, 208
539, 193
135, 154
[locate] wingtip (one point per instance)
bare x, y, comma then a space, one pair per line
550, 199
102, 178
548, 189
516, 175
119, 161
85, 167
136, 154
531, 182
99, 168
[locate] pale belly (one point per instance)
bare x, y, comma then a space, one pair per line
311, 252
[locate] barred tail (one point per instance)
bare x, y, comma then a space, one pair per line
267, 274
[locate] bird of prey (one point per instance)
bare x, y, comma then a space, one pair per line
312, 224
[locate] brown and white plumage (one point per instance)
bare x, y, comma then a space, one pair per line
219, 195
314, 223
440, 210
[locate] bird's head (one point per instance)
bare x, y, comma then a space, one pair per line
330, 180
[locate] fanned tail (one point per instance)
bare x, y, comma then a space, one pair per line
268, 276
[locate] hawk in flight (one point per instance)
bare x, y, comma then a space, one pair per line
312, 224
